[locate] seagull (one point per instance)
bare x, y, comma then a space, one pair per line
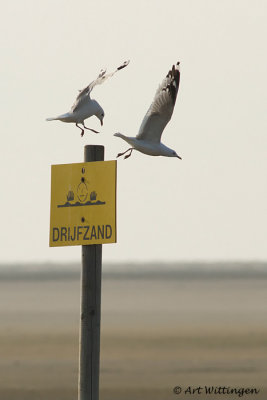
84, 107
158, 115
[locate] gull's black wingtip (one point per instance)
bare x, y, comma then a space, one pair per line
174, 68
174, 80
123, 65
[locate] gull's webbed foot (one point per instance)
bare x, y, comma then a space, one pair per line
128, 155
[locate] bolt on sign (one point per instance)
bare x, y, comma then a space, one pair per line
83, 203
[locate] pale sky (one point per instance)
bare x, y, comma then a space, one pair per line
209, 206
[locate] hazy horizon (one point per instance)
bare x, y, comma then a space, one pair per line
132, 270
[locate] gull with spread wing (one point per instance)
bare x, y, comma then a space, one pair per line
148, 139
84, 107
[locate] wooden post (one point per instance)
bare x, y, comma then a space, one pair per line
89, 343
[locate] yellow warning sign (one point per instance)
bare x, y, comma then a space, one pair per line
83, 203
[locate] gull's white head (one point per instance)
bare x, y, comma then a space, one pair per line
167, 152
100, 115
174, 154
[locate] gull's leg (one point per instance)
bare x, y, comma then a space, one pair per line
121, 154
85, 127
128, 155
82, 133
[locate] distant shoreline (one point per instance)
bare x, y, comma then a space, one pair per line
179, 271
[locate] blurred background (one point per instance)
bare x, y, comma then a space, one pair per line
184, 289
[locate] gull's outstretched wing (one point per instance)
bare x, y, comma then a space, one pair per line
85, 93
161, 109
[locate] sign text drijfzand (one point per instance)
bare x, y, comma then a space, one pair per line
83, 203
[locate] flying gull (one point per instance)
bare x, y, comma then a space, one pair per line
158, 115
84, 107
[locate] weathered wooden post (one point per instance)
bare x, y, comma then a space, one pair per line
89, 343
83, 212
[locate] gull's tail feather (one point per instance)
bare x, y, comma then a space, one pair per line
63, 117
129, 140
118, 134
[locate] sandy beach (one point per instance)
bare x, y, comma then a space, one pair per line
158, 332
